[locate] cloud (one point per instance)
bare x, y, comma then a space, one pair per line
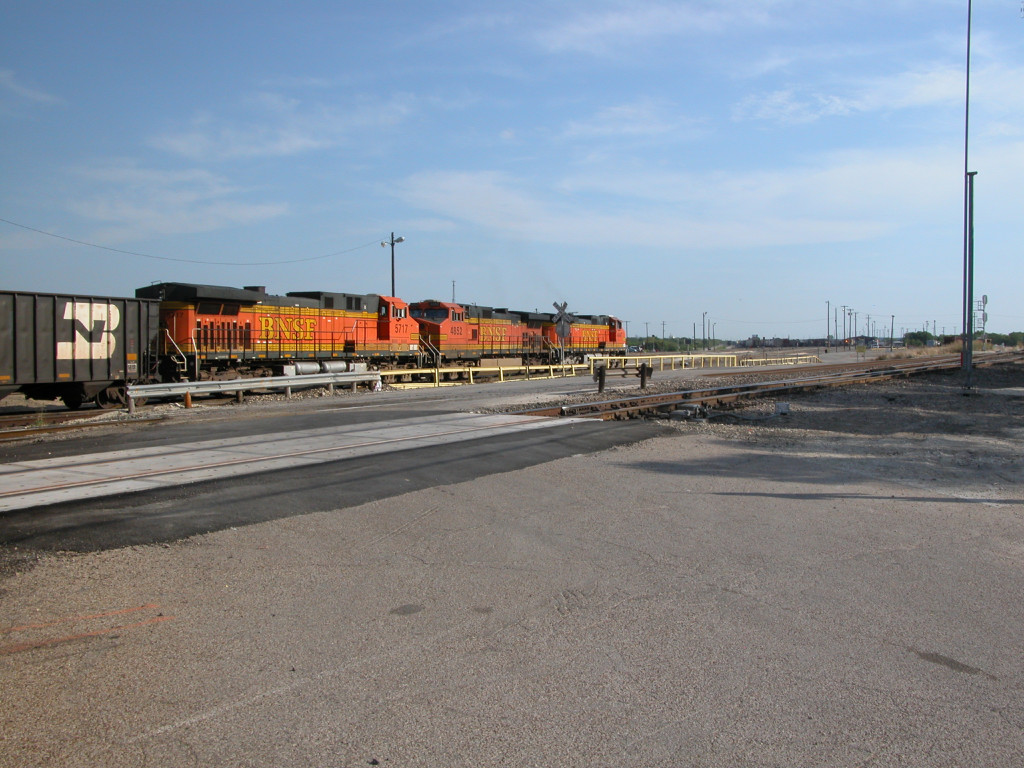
639, 119
10, 83
497, 202
601, 31
787, 107
993, 87
135, 202
280, 126
843, 197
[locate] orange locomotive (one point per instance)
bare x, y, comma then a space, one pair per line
213, 331
454, 332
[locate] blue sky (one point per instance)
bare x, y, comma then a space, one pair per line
652, 160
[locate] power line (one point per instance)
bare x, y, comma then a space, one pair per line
187, 261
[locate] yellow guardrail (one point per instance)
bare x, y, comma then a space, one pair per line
790, 360
664, 362
467, 374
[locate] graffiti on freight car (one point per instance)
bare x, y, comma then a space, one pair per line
92, 331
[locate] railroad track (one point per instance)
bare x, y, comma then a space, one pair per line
725, 395
14, 426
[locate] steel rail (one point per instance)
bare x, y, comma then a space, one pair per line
21, 432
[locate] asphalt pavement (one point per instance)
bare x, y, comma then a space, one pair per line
682, 599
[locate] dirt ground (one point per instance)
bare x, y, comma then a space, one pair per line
926, 431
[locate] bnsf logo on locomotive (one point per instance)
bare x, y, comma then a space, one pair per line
290, 329
93, 326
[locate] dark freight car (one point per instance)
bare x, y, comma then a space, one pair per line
75, 348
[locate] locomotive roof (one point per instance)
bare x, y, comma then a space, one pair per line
197, 292
369, 302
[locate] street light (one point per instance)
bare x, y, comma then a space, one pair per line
385, 244
968, 345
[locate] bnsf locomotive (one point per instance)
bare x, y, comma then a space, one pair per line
88, 349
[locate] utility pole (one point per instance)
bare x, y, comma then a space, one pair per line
385, 244
967, 354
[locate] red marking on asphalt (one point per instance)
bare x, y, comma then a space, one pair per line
121, 612
27, 646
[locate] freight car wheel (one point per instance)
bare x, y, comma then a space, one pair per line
104, 399
115, 396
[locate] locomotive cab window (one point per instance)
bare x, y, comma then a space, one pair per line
398, 311
435, 315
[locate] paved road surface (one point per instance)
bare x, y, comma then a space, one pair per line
688, 600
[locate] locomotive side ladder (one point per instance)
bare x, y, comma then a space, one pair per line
430, 356
177, 356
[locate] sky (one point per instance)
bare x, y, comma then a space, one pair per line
754, 166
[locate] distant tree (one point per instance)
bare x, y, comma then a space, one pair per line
1014, 339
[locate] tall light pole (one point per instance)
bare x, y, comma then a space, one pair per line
703, 331
392, 242
968, 315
